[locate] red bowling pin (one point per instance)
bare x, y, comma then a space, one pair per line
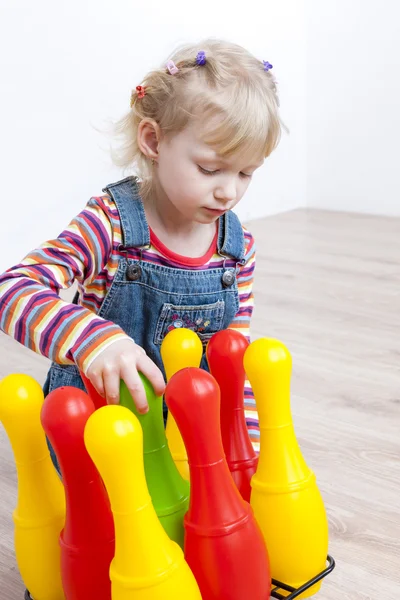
224, 546
87, 540
225, 352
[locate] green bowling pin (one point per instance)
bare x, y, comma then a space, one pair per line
168, 490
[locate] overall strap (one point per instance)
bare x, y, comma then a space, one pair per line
135, 229
231, 237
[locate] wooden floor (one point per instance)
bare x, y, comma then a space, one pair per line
328, 285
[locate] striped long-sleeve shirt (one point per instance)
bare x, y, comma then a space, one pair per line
87, 251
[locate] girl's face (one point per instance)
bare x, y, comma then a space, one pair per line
200, 184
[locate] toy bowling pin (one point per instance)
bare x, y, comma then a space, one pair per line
223, 544
285, 497
225, 353
87, 540
168, 490
40, 512
180, 348
147, 564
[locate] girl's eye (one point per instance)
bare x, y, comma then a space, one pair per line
205, 171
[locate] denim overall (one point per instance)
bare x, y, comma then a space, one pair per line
146, 300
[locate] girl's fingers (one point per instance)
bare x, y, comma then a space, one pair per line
96, 379
153, 374
111, 379
136, 389
125, 364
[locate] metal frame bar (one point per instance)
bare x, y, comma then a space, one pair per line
295, 592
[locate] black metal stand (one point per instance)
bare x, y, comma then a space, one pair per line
295, 592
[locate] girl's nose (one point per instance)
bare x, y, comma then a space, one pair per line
226, 192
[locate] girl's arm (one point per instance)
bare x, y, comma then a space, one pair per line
31, 310
241, 323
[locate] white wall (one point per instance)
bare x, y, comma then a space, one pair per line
67, 67
353, 105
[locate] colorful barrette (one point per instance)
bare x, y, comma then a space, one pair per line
141, 91
201, 58
172, 68
267, 65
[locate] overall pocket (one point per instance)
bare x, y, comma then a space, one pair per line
205, 320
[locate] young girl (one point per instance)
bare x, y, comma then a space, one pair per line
161, 249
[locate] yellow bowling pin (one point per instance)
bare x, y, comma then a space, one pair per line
147, 564
285, 498
180, 348
40, 512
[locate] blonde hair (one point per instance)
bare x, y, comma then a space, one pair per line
232, 84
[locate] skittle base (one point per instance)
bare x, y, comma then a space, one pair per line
275, 593
292, 592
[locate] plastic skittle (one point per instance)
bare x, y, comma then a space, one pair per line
147, 564
168, 490
87, 540
225, 353
40, 512
285, 497
180, 348
224, 546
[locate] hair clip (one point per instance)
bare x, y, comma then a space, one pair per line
267, 65
172, 68
201, 58
141, 91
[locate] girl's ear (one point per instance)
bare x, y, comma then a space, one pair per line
148, 138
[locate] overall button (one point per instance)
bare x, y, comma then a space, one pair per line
133, 272
228, 278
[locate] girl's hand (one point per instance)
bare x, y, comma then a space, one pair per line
122, 360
